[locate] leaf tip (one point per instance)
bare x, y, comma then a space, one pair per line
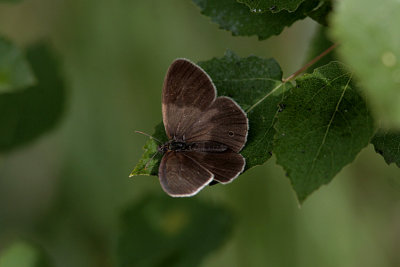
138, 171
300, 199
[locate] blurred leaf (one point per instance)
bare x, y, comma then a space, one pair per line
387, 143
254, 83
15, 72
27, 114
23, 254
11, 1
370, 40
271, 5
319, 43
321, 12
163, 231
237, 18
324, 126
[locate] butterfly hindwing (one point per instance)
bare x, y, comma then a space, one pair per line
181, 176
223, 122
225, 166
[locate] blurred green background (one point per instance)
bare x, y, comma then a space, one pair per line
66, 190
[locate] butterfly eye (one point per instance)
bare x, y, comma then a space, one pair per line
231, 134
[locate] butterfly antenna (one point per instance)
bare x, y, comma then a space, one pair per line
149, 136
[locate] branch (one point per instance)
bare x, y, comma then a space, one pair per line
309, 64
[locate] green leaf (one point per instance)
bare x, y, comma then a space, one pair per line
237, 18
369, 36
321, 12
271, 5
324, 125
27, 114
15, 72
255, 84
164, 231
387, 143
151, 158
23, 254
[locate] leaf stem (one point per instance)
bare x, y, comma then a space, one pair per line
309, 64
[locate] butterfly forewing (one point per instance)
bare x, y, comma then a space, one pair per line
187, 92
181, 176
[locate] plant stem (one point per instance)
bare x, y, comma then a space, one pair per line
309, 64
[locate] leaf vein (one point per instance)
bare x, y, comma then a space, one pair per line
264, 97
330, 123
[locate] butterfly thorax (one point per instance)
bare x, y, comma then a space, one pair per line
182, 146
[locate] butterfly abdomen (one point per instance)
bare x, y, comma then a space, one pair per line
208, 146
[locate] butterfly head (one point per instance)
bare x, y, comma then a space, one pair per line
163, 148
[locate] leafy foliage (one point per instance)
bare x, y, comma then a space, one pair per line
321, 13
15, 72
387, 143
237, 18
23, 254
255, 84
27, 114
271, 5
370, 40
162, 231
319, 126
323, 127
324, 122
315, 129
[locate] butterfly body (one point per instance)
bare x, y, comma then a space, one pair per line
205, 132
181, 146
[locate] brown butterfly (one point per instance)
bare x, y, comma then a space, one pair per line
205, 132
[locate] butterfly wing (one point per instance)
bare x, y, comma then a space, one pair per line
187, 92
225, 166
181, 176
192, 113
223, 122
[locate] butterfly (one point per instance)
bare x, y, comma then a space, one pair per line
205, 132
